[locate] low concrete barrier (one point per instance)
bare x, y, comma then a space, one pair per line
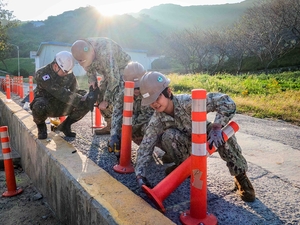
78, 190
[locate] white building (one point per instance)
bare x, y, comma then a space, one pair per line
47, 51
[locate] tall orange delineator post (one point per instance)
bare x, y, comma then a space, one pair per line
31, 95
125, 151
198, 203
12, 189
7, 79
164, 188
21, 90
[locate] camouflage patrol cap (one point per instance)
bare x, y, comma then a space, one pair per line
83, 52
134, 72
151, 86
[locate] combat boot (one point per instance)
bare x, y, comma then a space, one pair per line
244, 187
105, 130
42, 131
65, 127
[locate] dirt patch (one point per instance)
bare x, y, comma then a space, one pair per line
27, 208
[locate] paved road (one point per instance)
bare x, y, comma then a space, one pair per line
272, 149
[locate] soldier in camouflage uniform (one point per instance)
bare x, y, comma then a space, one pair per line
57, 94
172, 122
106, 58
141, 114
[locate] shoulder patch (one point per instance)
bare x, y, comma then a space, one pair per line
46, 77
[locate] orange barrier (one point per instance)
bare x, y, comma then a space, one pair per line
164, 188
7, 79
21, 90
198, 202
12, 189
31, 95
98, 116
125, 152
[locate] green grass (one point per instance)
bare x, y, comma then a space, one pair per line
274, 96
27, 66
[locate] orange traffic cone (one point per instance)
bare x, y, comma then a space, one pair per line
12, 189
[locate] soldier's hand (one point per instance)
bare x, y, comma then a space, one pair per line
103, 105
142, 181
215, 136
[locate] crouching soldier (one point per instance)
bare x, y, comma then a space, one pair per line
171, 127
57, 94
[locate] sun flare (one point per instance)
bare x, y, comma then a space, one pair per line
114, 9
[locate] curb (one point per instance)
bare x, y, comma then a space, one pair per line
77, 190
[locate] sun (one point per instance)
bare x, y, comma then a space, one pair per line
111, 9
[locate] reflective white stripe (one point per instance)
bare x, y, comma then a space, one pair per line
7, 156
199, 149
199, 127
5, 145
199, 105
3, 134
128, 106
127, 120
128, 92
229, 131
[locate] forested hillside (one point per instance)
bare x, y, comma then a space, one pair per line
138, 31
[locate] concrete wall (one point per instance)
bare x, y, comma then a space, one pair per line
78, 190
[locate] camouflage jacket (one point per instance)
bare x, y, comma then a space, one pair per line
222, 104
50, 85
109, 63
140, 116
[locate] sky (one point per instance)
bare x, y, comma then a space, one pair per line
27, 10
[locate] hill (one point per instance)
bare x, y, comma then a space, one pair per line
141, 30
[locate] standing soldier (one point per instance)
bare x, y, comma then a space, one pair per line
105, 57
57, 94
141, 114
171, 125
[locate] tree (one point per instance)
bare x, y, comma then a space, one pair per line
6, 22
267, 33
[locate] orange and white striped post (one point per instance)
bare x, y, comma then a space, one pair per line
229, 130
7, 79
12, 189
126, 138
21, 89
31, 95
198, 202
165, 187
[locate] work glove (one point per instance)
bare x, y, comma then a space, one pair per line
92, 97
142, 181
215, 136
114, 144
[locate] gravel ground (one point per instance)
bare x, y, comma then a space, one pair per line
222, 201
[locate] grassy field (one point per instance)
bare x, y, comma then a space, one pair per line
274, 96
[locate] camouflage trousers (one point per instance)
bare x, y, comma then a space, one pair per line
42, 108
178, 146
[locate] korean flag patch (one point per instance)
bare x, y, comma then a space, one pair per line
46, 77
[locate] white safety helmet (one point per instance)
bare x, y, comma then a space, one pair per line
65, 61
